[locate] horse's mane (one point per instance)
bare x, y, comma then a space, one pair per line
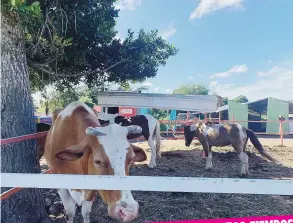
211, 123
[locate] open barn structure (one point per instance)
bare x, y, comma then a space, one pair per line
261, 116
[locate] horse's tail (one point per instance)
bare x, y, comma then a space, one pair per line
256, 143
158, 137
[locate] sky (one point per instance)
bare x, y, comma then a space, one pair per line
234, 47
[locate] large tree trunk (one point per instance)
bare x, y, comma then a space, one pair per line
17, 118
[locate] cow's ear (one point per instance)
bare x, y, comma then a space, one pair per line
140, 154
73, 153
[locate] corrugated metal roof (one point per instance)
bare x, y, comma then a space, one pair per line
130, 93
226, 107
201, 103
222, 108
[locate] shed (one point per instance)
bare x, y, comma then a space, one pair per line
267, 109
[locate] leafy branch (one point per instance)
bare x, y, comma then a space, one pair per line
41, 67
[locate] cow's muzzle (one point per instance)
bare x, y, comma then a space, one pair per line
124, 212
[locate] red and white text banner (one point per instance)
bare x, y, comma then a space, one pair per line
261, 219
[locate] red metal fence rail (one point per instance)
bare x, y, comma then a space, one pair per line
12, 191
22, 138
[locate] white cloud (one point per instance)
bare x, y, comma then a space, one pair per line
168, 91
190, 78
213, 84
156, 89
167, 33
112, 86
206, 7
147, 84
234, 70
118, 36
272, 71
279, 86
127, 4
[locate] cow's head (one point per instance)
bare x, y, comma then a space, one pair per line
189, 133
123, 121
110, 154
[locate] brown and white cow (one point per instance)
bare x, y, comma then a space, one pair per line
44, 127
209, 134
77, 144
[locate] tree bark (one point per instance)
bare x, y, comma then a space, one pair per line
17, 118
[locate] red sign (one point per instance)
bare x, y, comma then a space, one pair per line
98, 108
127, 111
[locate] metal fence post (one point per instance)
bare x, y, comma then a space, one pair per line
281, 131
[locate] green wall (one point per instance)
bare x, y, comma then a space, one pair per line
276, 108
240, 112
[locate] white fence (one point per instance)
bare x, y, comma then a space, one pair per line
146, 183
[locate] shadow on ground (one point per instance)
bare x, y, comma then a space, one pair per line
164, 206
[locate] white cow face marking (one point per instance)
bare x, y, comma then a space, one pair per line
113, 138
116, 147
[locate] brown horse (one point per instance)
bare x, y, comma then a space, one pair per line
210, 134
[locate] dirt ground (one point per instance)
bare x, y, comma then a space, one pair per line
178, 160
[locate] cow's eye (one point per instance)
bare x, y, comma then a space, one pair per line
99, 163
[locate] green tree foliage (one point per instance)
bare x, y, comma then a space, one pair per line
159, 114
240, 99
124, 87
71, 41
225, 101
192, 89
52, 99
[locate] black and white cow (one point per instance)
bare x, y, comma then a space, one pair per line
150, 130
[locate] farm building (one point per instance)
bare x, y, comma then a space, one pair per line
267, 109
122, 110
140, 103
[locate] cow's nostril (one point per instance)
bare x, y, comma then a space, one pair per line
121, 214
123, 204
